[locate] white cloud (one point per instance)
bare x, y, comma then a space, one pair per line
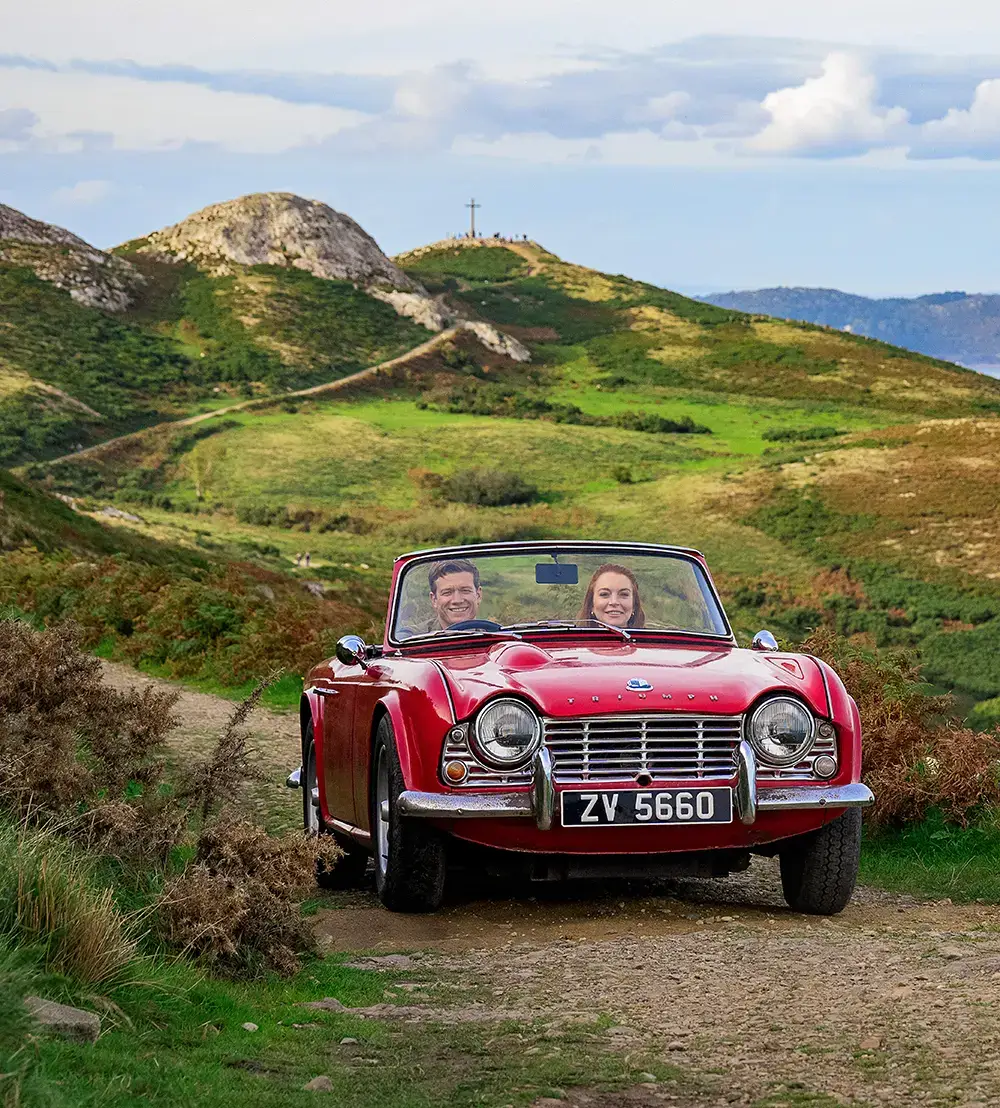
835, 113
164, 115
620, 148
83, 192
973, 132
393, 36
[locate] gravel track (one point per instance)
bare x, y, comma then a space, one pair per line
893, 1002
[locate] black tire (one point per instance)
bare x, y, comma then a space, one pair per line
349, 872
410, 871
819, 870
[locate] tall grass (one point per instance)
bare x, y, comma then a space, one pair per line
51, 902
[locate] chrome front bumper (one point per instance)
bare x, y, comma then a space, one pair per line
540, 802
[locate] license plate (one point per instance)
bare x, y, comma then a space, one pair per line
630, 808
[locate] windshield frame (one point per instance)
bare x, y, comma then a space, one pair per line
405, 563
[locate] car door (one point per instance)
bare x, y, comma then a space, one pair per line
339, 701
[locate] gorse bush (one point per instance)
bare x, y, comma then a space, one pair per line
799, 434
916, 758
89, 761
66, 740
231, 624
490, 488
236, 906
514, 403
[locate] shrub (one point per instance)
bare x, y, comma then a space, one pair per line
490, 488
799, 434
236, 906
66, 740
87, 756
916, 757
209, 624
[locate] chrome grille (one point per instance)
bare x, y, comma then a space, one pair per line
667, 746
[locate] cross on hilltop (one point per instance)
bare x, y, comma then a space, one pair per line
472, 205
471, 233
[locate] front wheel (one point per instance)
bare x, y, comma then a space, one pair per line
819, 870
410, 860
349, 871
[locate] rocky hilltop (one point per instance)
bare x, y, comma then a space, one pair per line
280, 228
92, 277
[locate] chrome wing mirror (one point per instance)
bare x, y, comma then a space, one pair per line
763, 640
352, 650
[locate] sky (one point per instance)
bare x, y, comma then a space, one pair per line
704, 147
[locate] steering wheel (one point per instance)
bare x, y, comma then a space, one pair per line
474, 625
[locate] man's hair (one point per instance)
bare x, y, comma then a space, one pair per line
458, 565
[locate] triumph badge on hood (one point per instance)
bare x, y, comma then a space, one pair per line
637, 684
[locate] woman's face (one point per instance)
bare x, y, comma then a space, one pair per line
614, 599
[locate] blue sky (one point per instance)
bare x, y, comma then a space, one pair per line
722, 145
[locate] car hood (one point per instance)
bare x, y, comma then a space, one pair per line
591, 680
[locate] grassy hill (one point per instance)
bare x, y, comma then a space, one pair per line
72, 375
776, 448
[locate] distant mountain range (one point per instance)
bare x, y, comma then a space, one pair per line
956, 326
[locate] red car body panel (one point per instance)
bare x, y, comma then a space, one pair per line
425, 688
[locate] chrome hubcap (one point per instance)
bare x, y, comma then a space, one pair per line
312, 794
382, 812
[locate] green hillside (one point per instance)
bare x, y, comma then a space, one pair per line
72, 375
642, 415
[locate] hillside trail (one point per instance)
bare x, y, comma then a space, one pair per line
893, 1002
260, 402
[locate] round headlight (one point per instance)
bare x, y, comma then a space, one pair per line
506, 734
781, 731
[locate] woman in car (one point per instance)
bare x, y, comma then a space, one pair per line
613, 597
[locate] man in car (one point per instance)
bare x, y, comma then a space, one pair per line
455, 592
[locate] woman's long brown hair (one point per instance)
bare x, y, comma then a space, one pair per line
638, 616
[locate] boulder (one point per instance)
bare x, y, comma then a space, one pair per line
61, 1019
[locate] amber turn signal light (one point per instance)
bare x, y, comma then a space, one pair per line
456, 772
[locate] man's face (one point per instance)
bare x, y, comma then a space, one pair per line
455, 598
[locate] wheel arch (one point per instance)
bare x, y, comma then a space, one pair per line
418, 753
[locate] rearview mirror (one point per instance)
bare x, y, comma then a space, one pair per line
556, 573
352, 650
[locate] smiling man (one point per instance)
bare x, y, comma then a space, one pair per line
455, 592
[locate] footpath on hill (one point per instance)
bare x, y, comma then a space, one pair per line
892, 1003
266, 401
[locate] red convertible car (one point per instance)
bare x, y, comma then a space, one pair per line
578, 708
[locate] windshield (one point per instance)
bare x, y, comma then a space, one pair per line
562, 589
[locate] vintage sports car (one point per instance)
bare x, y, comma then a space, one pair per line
577, 708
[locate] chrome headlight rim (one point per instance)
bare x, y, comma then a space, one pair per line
766, 756
491, 761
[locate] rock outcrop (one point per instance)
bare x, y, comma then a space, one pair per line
498, 342
279, 228
91, 276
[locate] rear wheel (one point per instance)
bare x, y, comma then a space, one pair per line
348, 871
819, 870
410, 858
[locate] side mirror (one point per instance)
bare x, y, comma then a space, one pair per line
352, 651
763, 640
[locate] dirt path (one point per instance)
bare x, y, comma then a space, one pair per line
894, 1002
202, 718
315, 390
